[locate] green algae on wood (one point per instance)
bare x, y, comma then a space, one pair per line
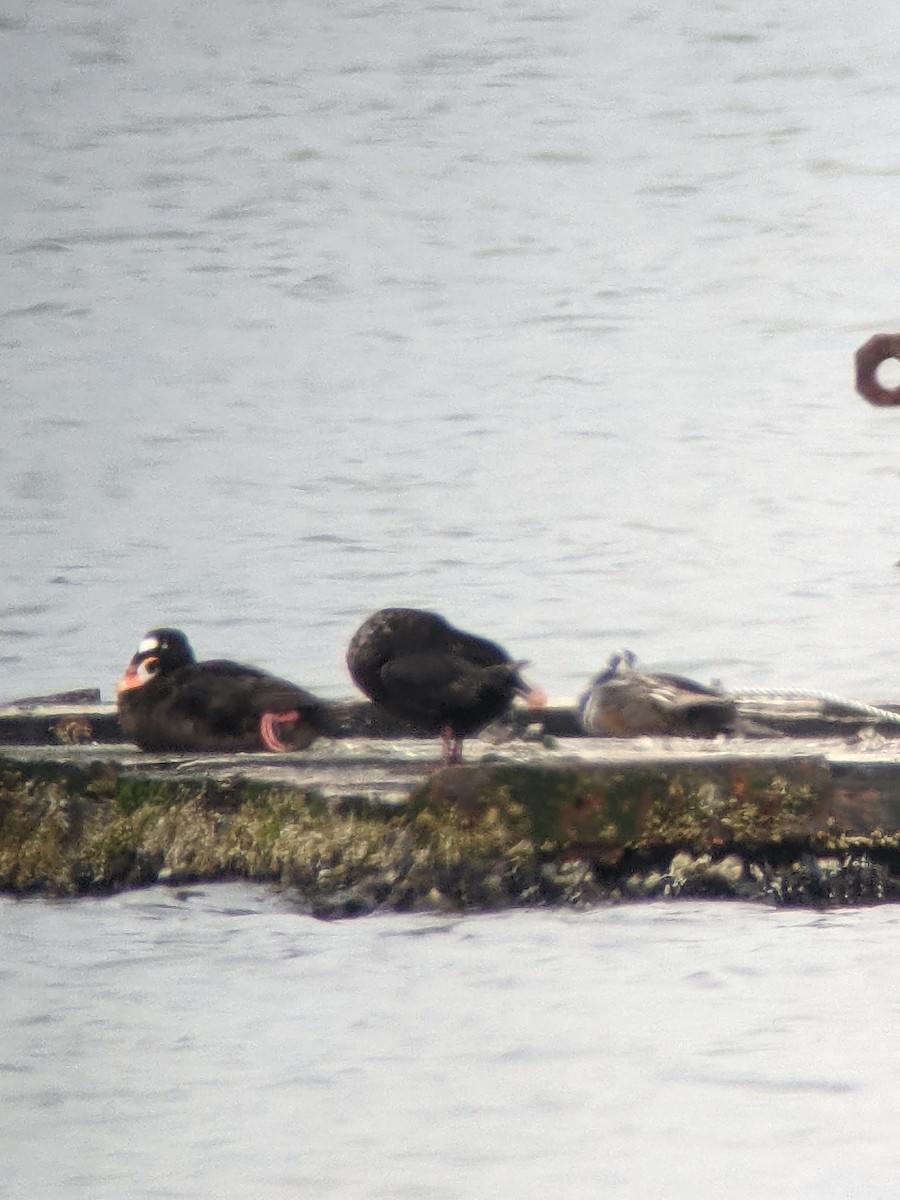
604, 810
468, 837
61, 834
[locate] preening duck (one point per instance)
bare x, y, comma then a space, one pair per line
439, 679
169, 701
625, 702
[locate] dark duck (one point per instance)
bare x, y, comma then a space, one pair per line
169, 701
625, 702
438, 679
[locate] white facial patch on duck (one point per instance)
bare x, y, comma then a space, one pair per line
147, 645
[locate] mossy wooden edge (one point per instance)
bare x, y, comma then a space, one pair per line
468, 837
607, 810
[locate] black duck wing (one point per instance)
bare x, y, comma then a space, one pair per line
244, 695
479, 651
419, 688
392, 633
433, 691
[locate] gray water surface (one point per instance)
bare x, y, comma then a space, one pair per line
216, 1043
539, 314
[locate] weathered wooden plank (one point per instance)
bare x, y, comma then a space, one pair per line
356, 824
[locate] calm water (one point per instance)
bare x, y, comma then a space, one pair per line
540, 314
164, 1045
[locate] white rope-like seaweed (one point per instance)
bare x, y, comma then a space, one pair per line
884, 715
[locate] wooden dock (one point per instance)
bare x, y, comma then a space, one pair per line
537, 813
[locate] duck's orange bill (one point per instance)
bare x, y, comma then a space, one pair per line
131, 679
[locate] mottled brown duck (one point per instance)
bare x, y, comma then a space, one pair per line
625, 702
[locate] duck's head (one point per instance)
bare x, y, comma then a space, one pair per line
619, 665
159, 652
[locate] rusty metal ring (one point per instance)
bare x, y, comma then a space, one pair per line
868, 359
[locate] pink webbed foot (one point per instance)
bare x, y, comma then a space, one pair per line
270, 729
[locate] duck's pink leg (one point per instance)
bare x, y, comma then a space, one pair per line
451, 746
270, 729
